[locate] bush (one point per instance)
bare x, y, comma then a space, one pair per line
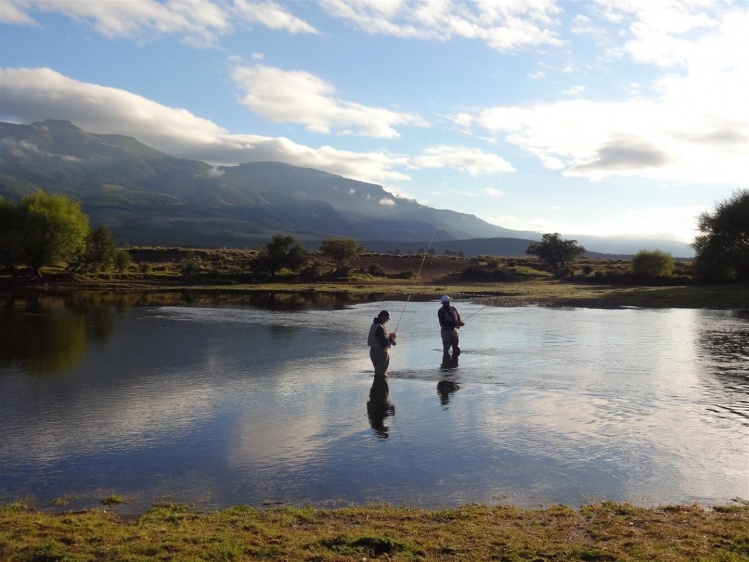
376, 269
190, 265
652, 263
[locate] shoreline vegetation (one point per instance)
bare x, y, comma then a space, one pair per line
494, 281
171, 531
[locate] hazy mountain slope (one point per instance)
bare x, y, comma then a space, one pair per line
150, 197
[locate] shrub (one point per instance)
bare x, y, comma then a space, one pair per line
376, 269
652, 263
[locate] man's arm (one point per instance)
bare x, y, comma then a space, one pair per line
380, 335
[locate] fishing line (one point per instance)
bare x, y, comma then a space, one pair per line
475, 312
416, 279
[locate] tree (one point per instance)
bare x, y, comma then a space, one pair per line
46, 229
340, 250
554, 251
281, 252
652, 263
722, 248
101, 249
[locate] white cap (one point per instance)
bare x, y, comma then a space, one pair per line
445, 298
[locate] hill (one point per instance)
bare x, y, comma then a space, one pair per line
148, 197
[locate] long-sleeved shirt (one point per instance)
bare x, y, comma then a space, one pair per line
378, 335
448, 317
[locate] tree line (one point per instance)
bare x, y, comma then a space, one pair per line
44, 229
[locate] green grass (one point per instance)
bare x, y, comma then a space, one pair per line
605, 531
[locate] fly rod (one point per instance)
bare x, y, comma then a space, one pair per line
475, 312
416, 279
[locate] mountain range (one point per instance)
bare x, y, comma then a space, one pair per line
148, 197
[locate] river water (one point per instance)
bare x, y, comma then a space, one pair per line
262, 403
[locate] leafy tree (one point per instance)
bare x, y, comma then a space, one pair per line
722, 248
281, 252
122, 260
652, 263
555, 251
48, 228
341, 250
101, 249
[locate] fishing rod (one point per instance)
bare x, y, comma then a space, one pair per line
415, 279
474, 312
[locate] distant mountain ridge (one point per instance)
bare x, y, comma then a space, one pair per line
148, 197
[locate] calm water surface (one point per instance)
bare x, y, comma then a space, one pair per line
255, 404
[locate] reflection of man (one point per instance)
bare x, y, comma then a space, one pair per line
449, 324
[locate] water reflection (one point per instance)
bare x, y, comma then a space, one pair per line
445, 388
237, 403
379, 406
47, 337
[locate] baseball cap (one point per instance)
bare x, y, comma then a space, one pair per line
445, 298
384, 313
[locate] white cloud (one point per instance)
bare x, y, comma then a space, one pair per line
493, 192
38, 94
470, 160
503, 26
272, 15
300, 97
199, 22
574, 90
693, 129
13, 13
387, 202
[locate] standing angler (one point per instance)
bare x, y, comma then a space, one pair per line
449, 323
379, 342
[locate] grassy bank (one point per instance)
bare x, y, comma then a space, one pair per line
604, 532
498, 281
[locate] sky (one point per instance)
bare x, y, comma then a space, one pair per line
595, 117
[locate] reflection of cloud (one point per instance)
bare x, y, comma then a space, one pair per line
629, 403
84, 424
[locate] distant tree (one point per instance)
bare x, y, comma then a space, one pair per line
48, 228
553, 250
101, 249
281, 252
652, 263
722, 248
122, 260
340, 250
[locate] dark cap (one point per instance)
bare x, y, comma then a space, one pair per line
384, 313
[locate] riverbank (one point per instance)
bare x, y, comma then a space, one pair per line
496, 281
606, 531
545, 291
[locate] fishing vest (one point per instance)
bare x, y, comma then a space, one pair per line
372, 340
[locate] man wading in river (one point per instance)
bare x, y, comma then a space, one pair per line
379, 342
449, 323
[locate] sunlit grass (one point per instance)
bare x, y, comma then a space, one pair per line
605, 531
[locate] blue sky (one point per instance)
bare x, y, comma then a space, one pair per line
621, 117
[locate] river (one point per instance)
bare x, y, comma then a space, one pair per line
219, 402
